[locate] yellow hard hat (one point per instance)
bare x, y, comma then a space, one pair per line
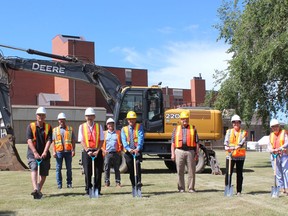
131, 115
184, 115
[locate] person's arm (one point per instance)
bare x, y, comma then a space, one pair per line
226, 140
73, 143
95, 153
53, 149
80, 138
285, 145
53, 145
30, 142
140, 138
47, 144
173, 146
197, 145
242, 141
124, 140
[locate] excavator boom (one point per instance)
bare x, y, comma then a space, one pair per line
68, 67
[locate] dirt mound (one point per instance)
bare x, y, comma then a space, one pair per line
9, 157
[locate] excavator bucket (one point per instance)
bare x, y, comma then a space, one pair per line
9, 157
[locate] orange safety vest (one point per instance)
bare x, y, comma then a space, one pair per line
118, 144
91, 138
135, 134
234, 139
190, 136
67, 144
33, 129
277, 141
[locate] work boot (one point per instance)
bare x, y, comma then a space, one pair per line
33, 192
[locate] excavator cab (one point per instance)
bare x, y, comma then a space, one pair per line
148, 105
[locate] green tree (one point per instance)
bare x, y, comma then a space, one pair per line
256, 80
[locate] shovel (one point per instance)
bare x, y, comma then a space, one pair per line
93, 192
38, 195
229, 188
275, 189
136, 191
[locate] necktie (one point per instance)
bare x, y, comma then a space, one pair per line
131, 138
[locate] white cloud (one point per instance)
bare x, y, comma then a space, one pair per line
178, 62
187, 60
166, 30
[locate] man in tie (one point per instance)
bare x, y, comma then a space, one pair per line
184, 150
132, 137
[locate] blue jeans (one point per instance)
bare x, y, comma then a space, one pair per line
281, 170
68, 162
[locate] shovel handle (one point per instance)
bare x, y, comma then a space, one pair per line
38, 161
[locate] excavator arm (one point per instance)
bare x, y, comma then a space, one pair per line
68, 67
104, 80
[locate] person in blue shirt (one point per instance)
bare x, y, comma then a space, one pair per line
132, 137
112, 149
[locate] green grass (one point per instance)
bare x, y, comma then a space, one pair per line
160, 195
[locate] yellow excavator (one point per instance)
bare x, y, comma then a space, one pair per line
147, 102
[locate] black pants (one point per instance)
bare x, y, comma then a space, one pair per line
130, 164
239, 173
98, 169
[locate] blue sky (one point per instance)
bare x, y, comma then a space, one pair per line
173, 40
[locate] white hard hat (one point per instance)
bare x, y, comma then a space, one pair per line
90, 111
110, 120
41, 110
235, 118
61, 116
274, 122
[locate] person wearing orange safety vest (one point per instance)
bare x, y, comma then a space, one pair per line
278, 145
132, 137
63, 146
91, 137
234, 143
112, 148
184, 150
39, 137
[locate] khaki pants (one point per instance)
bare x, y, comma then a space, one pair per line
185, 158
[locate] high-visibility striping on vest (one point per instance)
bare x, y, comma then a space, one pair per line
135, 134
91, 137
33, 129
67, 142
234, 139
277, 141
118, 144
190, 136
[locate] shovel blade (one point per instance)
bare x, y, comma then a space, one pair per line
275, 191
228, 191
134, 192
139, 192
93, 193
